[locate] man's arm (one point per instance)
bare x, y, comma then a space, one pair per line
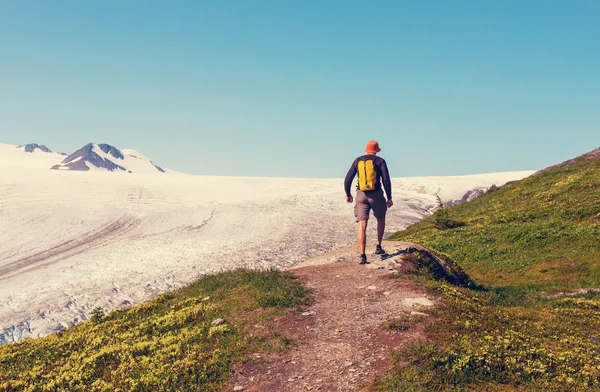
349, 178
385, 179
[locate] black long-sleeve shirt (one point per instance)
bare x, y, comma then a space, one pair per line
383, 176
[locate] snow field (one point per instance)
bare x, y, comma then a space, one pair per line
73, 241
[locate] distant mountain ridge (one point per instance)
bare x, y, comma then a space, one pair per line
31, 147
91, 157
77, 160
106, 157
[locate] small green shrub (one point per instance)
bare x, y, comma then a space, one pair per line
441, 218
404, 323
96, 315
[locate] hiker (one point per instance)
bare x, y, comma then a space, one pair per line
372, 174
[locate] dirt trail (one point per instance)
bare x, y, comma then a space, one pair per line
339, 343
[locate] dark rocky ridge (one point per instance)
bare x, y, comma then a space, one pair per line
594, 154
31, 147
86, 154
468, 196
108, 149
79, 160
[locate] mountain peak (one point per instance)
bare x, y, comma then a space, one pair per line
32, 147
108, 149
105, 157
89, 154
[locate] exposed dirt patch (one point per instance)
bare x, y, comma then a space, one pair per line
341, 343
561, 294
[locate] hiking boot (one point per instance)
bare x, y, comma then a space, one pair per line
363, 259
379, 250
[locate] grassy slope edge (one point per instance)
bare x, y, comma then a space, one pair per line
523, 243
168, 344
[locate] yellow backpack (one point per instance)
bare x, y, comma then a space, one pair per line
367, 176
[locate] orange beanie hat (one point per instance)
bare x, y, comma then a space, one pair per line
372, 147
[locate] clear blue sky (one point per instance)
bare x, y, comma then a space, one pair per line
296, 88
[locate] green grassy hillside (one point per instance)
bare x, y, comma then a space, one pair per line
523, 244
169, 344
544, 231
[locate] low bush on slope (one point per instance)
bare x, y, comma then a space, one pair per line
523, 243
169, 344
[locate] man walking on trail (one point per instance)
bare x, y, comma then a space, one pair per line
372, 174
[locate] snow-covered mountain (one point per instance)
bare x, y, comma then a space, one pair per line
104, 157
91, 157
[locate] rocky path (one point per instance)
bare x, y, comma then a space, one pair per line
341, 342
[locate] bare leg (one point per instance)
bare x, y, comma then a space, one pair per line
380, 229
362, 236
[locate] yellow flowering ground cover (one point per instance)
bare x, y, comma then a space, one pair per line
478, 344
525, 245
168, 344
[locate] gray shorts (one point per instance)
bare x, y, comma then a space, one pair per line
365, 201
